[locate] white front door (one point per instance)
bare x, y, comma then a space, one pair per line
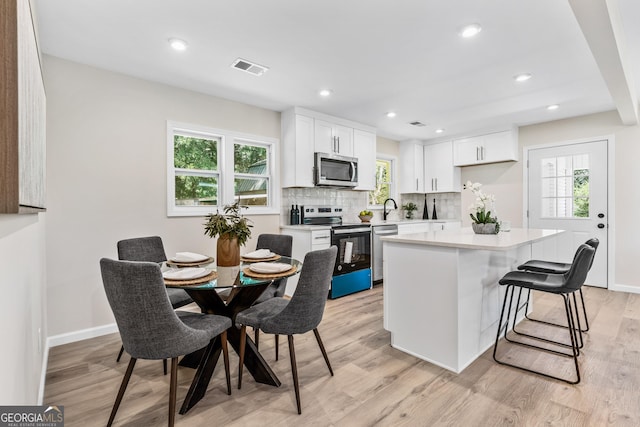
568, 191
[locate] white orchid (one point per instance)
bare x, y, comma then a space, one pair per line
482, 205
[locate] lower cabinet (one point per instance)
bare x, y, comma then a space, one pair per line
417, 227
305, 241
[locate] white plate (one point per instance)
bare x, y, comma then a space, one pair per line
189, 257
185, 273
259, 254
270, 267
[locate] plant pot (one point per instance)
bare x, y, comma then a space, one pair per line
227, 252
409, 215
489, 228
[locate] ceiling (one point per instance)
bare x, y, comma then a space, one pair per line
376, 56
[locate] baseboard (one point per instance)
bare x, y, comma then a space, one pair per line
625, 288
80, 335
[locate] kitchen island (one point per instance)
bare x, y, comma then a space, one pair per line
441, 294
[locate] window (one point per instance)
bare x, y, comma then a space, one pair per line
565, 186
385, 181
210, 168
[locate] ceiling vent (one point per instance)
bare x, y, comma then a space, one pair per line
419, 124
249, 67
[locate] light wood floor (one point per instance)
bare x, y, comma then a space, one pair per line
374, 384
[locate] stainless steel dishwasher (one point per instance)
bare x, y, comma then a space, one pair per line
376, 247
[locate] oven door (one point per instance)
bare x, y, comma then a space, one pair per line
354, 248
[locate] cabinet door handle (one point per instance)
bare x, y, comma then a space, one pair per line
482, 152
338, 144
416, 184
436, 184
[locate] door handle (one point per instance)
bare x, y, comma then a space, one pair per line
601, 225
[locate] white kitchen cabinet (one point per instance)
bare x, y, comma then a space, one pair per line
304, 241
333, 138
448, 225
414, 227
364, 149
490, 148
411, 167
440, 175
297, 150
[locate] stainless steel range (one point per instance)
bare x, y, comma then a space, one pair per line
352, 271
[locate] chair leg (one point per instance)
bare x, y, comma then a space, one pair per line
584, 314
120, 353
173, 386
535, 337
324, 353
123, 387
571, 327
256, 338
277, 345
164, 366
225, 355
294, 372
243, 342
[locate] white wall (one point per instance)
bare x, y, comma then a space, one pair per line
106, 173
505, 181
22, 316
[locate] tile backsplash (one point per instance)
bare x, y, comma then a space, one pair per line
352, 202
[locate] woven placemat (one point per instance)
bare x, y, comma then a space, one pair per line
189, 264
273, 258
247, 272
204, 279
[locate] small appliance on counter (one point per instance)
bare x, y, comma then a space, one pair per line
352, 270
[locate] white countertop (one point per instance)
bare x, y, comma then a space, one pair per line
409, 221
465, 238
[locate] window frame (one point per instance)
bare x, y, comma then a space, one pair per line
393, 187
226, 173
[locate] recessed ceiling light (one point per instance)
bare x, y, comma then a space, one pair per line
391, 114
178, 44
522, 77
470, 31
439, 130
325, 92
553, 107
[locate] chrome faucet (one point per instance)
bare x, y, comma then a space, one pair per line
384, 208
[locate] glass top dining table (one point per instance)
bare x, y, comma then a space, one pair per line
244, 291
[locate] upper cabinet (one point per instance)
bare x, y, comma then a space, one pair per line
333, 138
305, 132
297, 150
364, 149
23, 106
490, 148
428, 168
440, 176
411, 167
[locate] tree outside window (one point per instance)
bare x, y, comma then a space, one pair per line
196, 166
383, 188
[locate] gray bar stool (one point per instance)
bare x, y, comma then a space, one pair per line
549, 267
561, 284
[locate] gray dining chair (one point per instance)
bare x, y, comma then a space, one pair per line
301, 314
150, 249
281, 244
150, 328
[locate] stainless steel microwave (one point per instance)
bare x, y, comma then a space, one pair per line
332, 170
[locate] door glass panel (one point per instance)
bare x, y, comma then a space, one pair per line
565, 186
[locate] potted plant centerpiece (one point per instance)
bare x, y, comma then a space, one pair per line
409, 208
483, 221
232, 229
